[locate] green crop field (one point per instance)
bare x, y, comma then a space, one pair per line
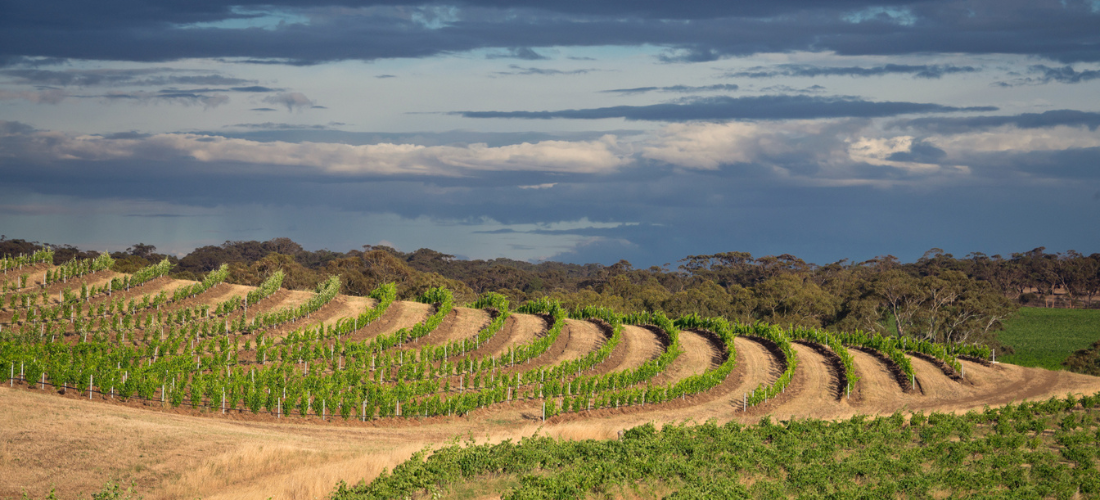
1033, 450
1045, 337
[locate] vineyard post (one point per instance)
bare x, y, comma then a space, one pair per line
544, 410
279, 409
223, 401
744, 401
90, 378
363, 412
11, 378
993, 352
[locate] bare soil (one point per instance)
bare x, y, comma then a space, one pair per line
699, 355
400, 314
461, 323
518, 329
638, 345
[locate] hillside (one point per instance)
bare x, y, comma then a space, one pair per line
347, 354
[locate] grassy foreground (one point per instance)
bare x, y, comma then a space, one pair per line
1045, 337
1033, 450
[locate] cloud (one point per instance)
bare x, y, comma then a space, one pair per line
292, 100
1015, 139
278, 126
254, 88
339, 159
820, 189
386, 76
263, 109
776, 107
812, 89
167, 96
1065, 74
117, 77
373, 29
721, 87
47, 96
809, 71
520, 70
29, 62
690, 55
1046, 119
524, 53
919, 152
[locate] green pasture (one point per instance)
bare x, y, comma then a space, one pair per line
1044, 337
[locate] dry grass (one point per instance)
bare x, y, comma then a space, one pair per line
75, 446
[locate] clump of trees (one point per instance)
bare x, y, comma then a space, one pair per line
1085, 360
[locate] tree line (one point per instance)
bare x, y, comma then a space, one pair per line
937, 298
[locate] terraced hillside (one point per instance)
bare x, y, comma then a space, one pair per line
313, 387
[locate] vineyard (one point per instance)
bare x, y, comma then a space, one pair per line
211, 350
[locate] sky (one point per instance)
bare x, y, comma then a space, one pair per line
573, 131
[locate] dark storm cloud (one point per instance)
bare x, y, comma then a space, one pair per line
776, 107
692, 32
805, 70
686, 89
1048, 119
